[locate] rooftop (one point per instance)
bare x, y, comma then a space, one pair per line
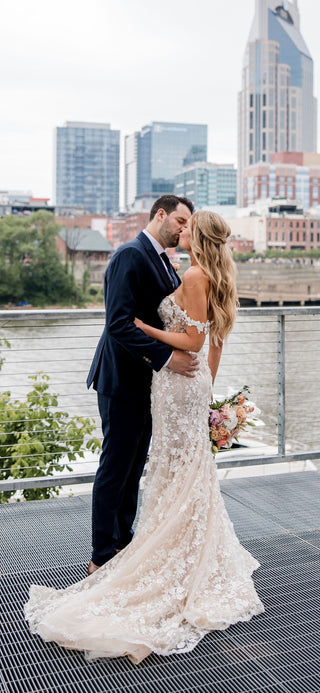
85, 240
276, 517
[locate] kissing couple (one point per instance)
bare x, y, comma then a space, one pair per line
183, 573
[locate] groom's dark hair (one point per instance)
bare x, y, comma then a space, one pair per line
169, 203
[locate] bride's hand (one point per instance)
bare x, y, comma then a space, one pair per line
139, 323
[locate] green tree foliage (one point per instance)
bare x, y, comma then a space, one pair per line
37, 440
30, 267
293, 254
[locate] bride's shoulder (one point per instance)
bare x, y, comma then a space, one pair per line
195, 277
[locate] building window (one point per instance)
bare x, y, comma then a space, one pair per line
311, 236
264, 99
291, 224
315, 191
276, 224
270, 235
318, 237
270, 223
283, 235
298, 236
276, 235
251, 120
290, 235
264, 145
251, 141
297, 225
304, 235
304, 225
311, 224
264, 119
251, 100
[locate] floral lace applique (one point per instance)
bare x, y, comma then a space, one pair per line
165, 312
184, 573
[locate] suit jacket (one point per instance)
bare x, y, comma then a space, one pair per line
136, 281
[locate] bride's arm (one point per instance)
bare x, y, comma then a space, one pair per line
194, 286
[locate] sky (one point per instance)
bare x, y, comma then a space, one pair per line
123, 62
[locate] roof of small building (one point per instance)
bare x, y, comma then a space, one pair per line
85, 240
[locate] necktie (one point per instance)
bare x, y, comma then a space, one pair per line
170, 269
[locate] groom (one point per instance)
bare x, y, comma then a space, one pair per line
138, 277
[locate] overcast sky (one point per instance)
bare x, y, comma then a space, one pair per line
124, 62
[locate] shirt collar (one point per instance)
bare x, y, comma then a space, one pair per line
157, 246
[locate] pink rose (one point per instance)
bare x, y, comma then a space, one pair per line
241, 414
224, 412
214, 417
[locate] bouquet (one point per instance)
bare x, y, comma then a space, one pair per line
230, 416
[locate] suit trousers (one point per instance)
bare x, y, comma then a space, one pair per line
126, 428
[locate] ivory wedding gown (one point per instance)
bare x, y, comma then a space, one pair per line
184, 573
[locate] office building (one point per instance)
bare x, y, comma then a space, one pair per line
207, 185
87, 167
130, 169
277, 110
163, 149
291, 175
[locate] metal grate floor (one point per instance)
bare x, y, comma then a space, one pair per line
276, 518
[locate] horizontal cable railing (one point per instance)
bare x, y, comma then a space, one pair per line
275, 351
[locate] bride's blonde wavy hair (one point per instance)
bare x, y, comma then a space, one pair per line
209, 233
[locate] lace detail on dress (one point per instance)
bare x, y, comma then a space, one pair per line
167, 310
184, 573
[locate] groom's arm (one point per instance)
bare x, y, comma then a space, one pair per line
124, 291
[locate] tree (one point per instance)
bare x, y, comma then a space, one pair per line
30, 267
37, 441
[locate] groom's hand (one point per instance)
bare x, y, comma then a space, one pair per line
184, 363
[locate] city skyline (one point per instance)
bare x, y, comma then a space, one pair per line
108, 66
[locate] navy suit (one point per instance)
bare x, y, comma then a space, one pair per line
136, 281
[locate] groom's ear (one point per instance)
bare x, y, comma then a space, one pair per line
161, 214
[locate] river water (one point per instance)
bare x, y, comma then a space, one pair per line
63, 349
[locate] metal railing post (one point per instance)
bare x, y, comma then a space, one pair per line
281, 386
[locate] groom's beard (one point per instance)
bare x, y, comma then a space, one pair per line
167, 235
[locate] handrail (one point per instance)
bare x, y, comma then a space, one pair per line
273, 342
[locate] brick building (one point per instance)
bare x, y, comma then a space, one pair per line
125, 228
293, 232
291, 175
238, 244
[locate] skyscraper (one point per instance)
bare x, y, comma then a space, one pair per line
87, 166
207, 184
163, 149
277, 110
130, 168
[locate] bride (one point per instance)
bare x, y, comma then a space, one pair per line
184, 573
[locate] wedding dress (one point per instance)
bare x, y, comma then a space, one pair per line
184, 573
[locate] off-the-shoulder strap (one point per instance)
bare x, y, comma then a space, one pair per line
201, 326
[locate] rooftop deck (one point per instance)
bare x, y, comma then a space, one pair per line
277, 519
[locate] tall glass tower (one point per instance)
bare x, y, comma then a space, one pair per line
87, 167
276, 109
163, 149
